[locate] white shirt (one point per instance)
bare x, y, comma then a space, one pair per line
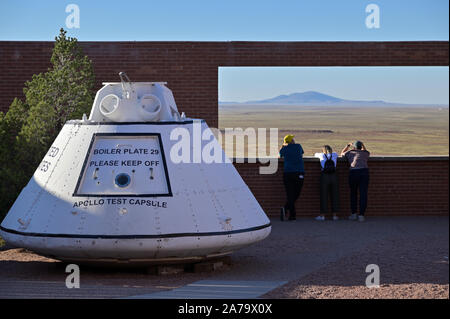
323, 158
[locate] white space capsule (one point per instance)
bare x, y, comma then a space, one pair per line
135, 183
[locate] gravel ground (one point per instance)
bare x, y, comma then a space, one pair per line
411, 268
317, 259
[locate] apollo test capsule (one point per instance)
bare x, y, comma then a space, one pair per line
135, 183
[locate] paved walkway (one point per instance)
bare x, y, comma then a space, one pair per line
293, 250
216, 289
41, 289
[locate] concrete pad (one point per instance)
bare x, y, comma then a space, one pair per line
216, 289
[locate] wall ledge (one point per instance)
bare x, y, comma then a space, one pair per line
395, 158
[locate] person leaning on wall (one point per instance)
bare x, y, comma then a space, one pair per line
329, 186
293, 175
357, 155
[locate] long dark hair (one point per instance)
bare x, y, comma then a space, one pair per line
328, 149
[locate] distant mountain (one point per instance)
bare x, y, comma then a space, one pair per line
295, 98
313, 98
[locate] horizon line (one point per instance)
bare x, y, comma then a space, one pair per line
344, 100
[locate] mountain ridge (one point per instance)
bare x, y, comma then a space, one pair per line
313, 98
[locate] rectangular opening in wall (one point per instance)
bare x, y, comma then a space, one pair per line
393, 110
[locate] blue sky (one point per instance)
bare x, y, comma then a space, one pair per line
261, 20
226, 20
411, 85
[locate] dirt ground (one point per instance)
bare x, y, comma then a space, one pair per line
316, 259
409, 269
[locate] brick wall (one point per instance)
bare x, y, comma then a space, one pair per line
399, 186
191, 68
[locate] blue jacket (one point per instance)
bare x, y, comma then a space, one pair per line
293, 158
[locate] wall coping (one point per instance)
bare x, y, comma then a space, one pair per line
395, 158
233, 41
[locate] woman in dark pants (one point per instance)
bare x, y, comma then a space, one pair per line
293, 175
357, 155
328, 182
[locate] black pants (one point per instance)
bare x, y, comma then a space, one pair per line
358, 180
293, 183
329, 186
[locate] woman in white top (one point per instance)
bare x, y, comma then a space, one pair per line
328, 182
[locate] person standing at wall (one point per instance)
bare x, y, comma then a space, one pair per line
357, 155
328, 182
293, 176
